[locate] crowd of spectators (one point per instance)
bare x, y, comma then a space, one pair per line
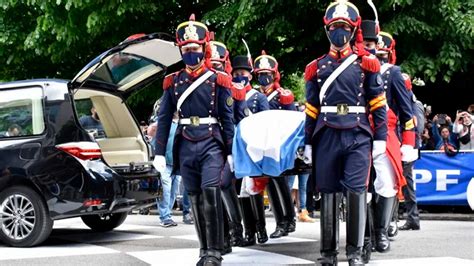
443, 133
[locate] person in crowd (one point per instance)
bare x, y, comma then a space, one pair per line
298, 185
470, 110
464, 130
338, 135
426, 140
169, 180
203, 100
442, 135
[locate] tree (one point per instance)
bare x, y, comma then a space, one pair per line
56, 38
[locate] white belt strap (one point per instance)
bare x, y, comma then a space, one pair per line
193, 87
385, 67
350, 109
335, 74
195, 121
250, 93
272, 95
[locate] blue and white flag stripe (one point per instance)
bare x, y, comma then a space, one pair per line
266, 143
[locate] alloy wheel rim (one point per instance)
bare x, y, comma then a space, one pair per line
17, 217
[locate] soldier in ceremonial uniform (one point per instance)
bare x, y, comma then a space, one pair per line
342, 87
202, 97
233, 231
389, 178
252, 205
266, 70
387, 54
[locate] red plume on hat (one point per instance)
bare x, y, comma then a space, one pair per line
393, 55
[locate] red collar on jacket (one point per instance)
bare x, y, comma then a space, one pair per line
340, 54
194, 73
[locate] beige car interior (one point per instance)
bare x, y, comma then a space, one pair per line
124, 142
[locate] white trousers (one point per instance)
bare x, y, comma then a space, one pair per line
384, 183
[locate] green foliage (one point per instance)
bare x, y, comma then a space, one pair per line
55, 39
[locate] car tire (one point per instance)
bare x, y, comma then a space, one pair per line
24, 217
104, 222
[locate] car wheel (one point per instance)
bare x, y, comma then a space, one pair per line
104, 222
24, 217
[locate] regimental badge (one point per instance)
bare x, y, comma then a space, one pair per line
380, 43
229, 101
341, 11
264, 63
215, 53
191, 32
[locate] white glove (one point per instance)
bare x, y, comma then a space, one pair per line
308, 154
379, 147
230, 160
409, 154
159, 163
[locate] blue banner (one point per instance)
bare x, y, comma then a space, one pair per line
443, 180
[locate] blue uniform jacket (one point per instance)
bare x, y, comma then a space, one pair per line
359, 85
211, 99
275, 102
257, 102
400, 101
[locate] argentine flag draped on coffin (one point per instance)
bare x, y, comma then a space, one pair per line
266, 143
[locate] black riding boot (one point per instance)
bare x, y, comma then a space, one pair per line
329, 228
214, 225
259, 213
277, 210
249, 222
286, 203
383, 214
200, 224
231, 203
367, 250
227, 245
393, 227
355, 226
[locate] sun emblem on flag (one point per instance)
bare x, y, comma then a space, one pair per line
190, 32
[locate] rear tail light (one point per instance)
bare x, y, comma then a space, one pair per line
92, 202
83, 150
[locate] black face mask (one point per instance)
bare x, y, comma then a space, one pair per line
265, 79
96, 116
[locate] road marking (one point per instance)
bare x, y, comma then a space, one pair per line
239, 256
76, 223
442, 261
9, 253
271, 241
93, 237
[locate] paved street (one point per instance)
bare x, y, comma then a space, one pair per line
140, 241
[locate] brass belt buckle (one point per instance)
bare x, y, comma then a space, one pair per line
194, 121
342, 109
